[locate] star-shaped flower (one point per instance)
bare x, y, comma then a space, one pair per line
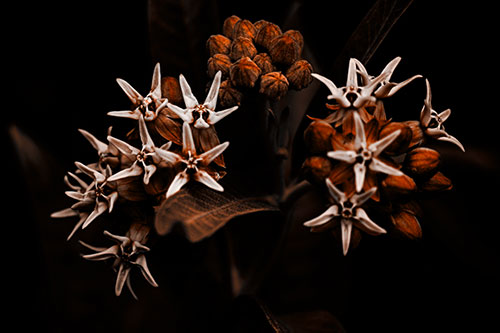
107, 152
147, 107
365, 155
432, 122
347, 210
143, 161
193, 166
128, 252
200, 115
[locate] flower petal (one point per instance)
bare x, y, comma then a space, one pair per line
156, 82
346, 229
360, 138
187, 94
348, 156
380, 145
208, 156
100, 208
134, 170
425, 114
67, 212
111, 200
149, 170
390, 67
361, 198
379, 166
366, 224
211, 100
123, 272
141, 262
394, 87
214, 117
187, 140
453, 140
83, 217
324, 218
444, 115
144, 134
135, 114
352, 75
336, 93
336, 194
184, 114
111, 252
123, 146
359, 176
179, 181
131, 93
91, 172
207, 180
200, 123
100, 146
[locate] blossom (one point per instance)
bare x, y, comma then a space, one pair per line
108, 153
365, 155
148, 106
200, 115
143, 161
128, 252
193, 166
432, 122
347, 209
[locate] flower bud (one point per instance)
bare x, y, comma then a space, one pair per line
244, 28
299, 74
259, 24
422, 161
242, 47
218, 44
229, 95
438, 182
228, 26
244, 73
406, 224
218, 62
284, 50
318, 137
263, 60
317, 169
274, 85
401, 143
297, 36
417, 135
399, 185
267, 32
171, 89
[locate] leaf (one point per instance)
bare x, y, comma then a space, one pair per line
201, 211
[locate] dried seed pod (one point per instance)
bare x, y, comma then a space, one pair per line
295, 34
218, 62
422, 161
242, 47
229, 95
228, 26
244, 73
218, 44
299, 74
318, 137
171, 89
284, 50
417, 135
317, 168
399, 185
407, 224
244, 28
438, 182
401, 143
267, 32
274, 85
263, 60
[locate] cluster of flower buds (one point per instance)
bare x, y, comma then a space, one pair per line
372, 166
257, 55
168, 147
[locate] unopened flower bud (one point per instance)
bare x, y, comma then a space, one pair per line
417, 135
171, 89
438, 182
228, 25
267, 32
244, 73
218, 62
244, 28
263, 60
422, 161
299, 74
318, 137
297, 36
229, 95
401, 143
399, 185
284, 50
218, 44
274, 85
406, 224
242, 47
317, 168
259, 24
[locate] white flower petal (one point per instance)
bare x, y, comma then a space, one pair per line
359, 176
184, 114
453, 140
187, 140
200, 123
346, 229
348, 156
324, 218
366, 224
187, 94
444, 115
111, 252
100, 208
156, 82
144, 134
100, 146
361, 198
336, 93
352, 75
335, 193
179, 181
380, 145
210, 155
123, 146
211, 100
149, 170
141, 262
121, 278
214, 117
360, 138
204, 178
67, 212
379, 166
131, 93
425, 114
133, 171
135, 114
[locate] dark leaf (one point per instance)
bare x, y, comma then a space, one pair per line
201, 211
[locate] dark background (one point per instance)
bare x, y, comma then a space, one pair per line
63, 61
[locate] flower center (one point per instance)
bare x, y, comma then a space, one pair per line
347, 209
141, 156
364, 156
200, 111
191, 164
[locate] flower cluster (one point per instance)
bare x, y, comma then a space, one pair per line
173, 145
257, 55
369, 163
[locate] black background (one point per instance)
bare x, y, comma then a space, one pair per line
63, 59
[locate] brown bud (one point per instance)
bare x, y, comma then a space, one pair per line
422, 161
299, 74
295, 34
263, 60
229, 95
401, 143
244, 73
259, 24
218, 62
317, 168
417, 135
228, 26
218, 44
131, 188
267, 32
399, 185
407, 224
318, 137
244, 28
171, 89
242, 47
438, 182
274, 85
284, 50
